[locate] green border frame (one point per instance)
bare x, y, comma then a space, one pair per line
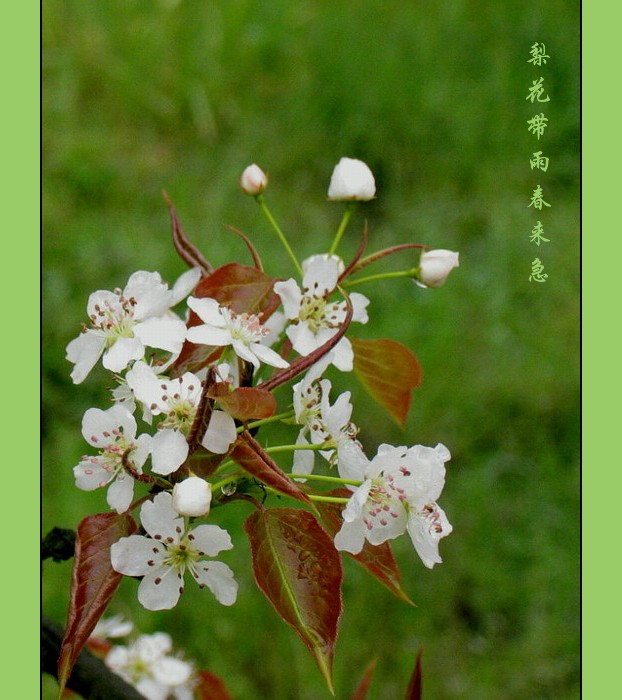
601, 384
20, 288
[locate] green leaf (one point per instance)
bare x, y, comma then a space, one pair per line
251, 456
93, 582
377, 559
298, 569
389, 371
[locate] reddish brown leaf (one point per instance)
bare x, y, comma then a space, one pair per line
377, 559
188, 252
414, 690
250, 455
211, 687
363, 687
243, 289
93, 582
389, 371
298, 569
244, 403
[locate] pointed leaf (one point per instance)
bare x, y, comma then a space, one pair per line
250, 455
377, 559
363, 687
298, 569
93, 582
244, 403
211, 687
243, 289
389, 371
414, 690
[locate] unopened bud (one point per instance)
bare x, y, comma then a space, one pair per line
253, 180
352, 180
192, 496
435, 266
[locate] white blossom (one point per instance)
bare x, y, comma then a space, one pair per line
313, 319
114, 432
125, 321
177, 400
147, 665
244, 332
168, 551
399, 492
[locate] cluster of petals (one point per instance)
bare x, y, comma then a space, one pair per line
113, 432
125, 321
222, 327
168, 551
314, 320
177, 400
147, 665
399, 492
323, 422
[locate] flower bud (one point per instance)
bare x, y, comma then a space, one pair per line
253, 180
192, 496
352, 180
434, 266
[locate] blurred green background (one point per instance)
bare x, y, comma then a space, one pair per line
140, 97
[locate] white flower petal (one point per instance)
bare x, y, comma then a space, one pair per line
163, 333
291, 297
220, 434
192, 496
83, 352
208, 334
120, 493
218, 577
91, 475
160, 519
208, 310
169, 449
320, 275
96, 422
268, 356
426, 530
211, 539
350, 538
160, 589
124, 350
130, 555
184, 285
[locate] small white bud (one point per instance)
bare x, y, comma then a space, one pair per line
192, 496
352, 180
253, 180
435, 266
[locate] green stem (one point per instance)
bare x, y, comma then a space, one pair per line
266, 421
292, 448
342, 226
382, 276
328, 499
280, 234
321, 477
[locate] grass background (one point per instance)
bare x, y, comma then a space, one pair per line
182, 96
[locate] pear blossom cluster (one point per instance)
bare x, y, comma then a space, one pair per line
147, 662
165, 411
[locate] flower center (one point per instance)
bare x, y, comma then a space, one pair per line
115, 318
245, 327
384, 503
318, 313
